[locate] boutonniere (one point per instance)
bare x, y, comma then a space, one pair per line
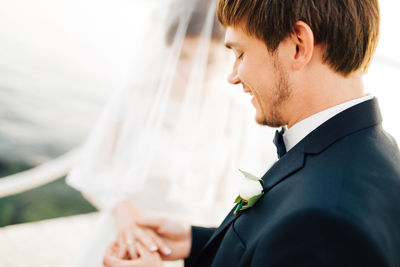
250, 191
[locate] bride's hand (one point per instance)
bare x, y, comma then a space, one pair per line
129, 233
145, 258
128, 237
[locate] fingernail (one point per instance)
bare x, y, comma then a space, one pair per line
153, 248
167, 251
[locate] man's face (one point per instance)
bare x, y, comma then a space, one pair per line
261, 74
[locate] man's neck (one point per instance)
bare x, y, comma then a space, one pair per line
321, 91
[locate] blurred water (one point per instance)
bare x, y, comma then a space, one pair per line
45, 109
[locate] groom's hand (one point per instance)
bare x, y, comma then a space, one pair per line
176, 235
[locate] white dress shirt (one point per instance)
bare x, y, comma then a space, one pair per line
297, 132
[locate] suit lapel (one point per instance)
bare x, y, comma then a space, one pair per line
288, 164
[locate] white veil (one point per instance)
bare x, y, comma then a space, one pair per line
177, 132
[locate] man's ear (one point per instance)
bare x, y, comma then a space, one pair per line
303, 40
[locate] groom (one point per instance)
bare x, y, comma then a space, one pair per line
332, 199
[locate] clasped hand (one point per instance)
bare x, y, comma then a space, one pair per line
145, 241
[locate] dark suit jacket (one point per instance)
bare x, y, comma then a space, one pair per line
332, 200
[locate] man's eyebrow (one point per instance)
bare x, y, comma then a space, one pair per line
229, 45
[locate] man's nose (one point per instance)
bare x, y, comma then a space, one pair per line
233, 78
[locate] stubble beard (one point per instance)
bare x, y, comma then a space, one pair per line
273, 117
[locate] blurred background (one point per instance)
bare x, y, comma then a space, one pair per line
59, 63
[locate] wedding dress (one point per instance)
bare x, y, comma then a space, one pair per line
172, 140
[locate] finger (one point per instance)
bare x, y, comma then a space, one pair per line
129, 244
116, 250
163, 248
132, 251
111, 249
141, 251
110, 257
109, 261
144, 253
128, 237
154, 223
120, 240
145, 240
120, 251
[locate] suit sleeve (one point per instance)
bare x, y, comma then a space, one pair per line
316, 239
200, 236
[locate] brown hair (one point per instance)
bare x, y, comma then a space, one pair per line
347, 29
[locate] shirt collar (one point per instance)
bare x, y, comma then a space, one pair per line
297, 132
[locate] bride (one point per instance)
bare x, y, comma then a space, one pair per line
172, 137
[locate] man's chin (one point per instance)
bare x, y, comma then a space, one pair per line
262, 120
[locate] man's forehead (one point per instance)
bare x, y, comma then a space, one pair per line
234, 37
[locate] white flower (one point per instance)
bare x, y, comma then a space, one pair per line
249, 188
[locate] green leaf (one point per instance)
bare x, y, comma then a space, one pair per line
253, 200
245, 207
252, 177
238, 199
249, 175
